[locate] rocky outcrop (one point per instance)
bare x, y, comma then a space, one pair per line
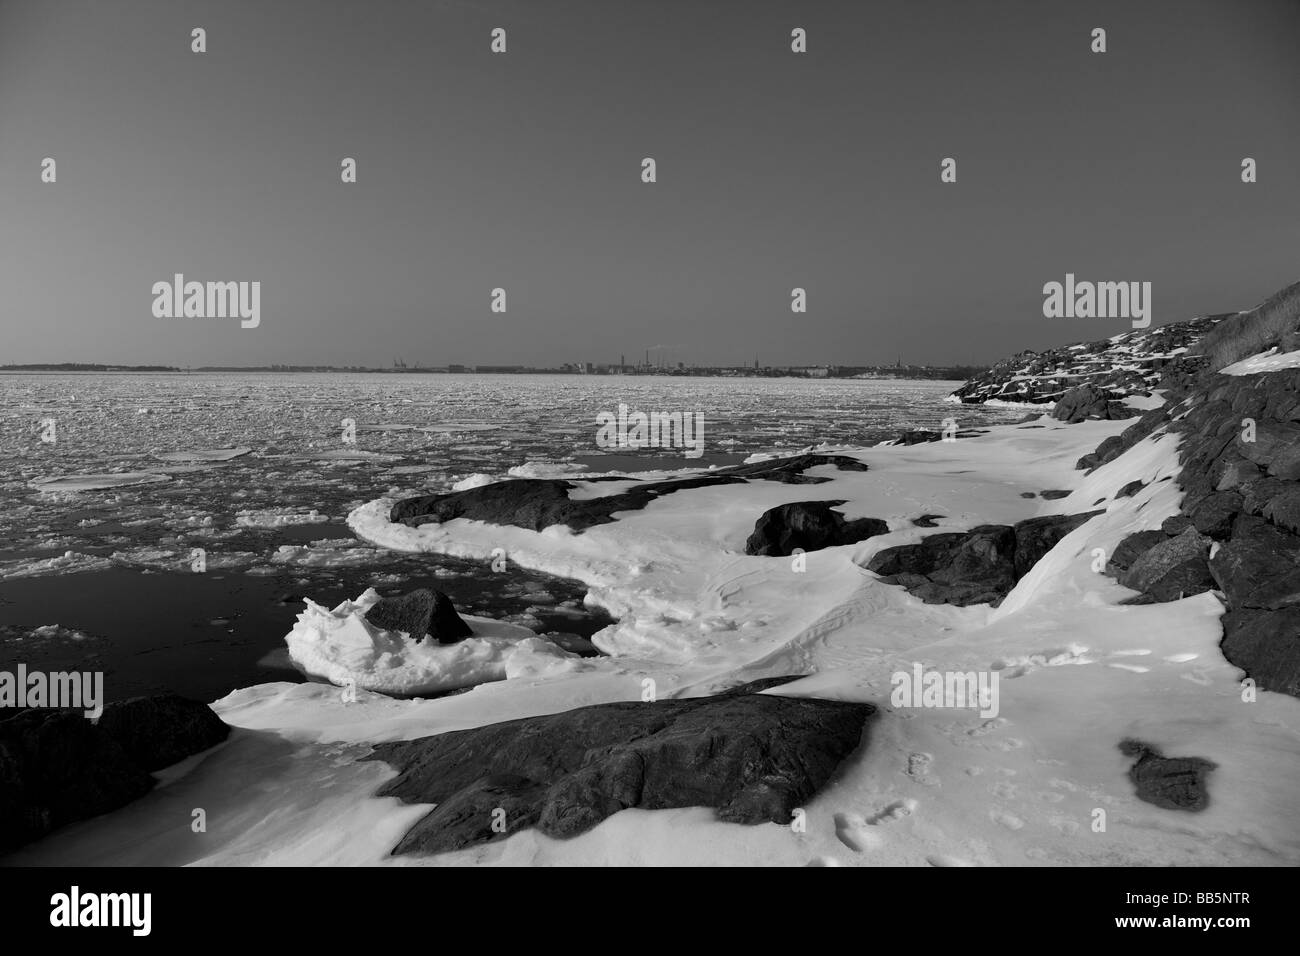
1172, 569
1131, 363
753, 757
979, 566
809, 526
56, 767
1172, 783
1239, 448
156, 732
539, 503
422, 612
921, 436
1088, 401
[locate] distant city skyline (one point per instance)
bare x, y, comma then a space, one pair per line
522, 171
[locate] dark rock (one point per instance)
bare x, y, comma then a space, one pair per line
1214, 515
810, 526
1089, 401
409, 613
1028, 494
1258, 494
917, 436
753, 757
960, 593
57, 767
1257, 567
1133, 547
1107, 451
926, 521
985, 558
1273, 442
156, 732
1283, 509
920, 558
1266, 645
979, 566
1234, 472
1130, 489
1037, 536
1173, 569
1172, 783
539, 503
1175, 525
906, 579
421, 612
1054, 493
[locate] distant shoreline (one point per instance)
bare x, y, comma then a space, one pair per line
815, 373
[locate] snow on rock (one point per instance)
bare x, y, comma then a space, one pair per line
1125, 363
342, 647
1270, 361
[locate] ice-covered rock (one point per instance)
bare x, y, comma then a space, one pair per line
345, 648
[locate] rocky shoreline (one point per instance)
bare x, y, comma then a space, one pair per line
741, 747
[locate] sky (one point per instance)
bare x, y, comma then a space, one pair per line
522, 171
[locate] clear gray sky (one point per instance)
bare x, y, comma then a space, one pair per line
522, 171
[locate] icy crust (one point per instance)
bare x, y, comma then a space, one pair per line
341, 646
1079, 672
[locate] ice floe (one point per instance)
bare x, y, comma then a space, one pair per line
121, 479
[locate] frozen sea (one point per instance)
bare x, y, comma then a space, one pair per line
115, 482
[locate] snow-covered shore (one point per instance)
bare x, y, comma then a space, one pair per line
1080, 672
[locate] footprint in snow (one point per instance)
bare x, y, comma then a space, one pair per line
988, 727
1008, 820
918, 768
943, 859
860, 834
